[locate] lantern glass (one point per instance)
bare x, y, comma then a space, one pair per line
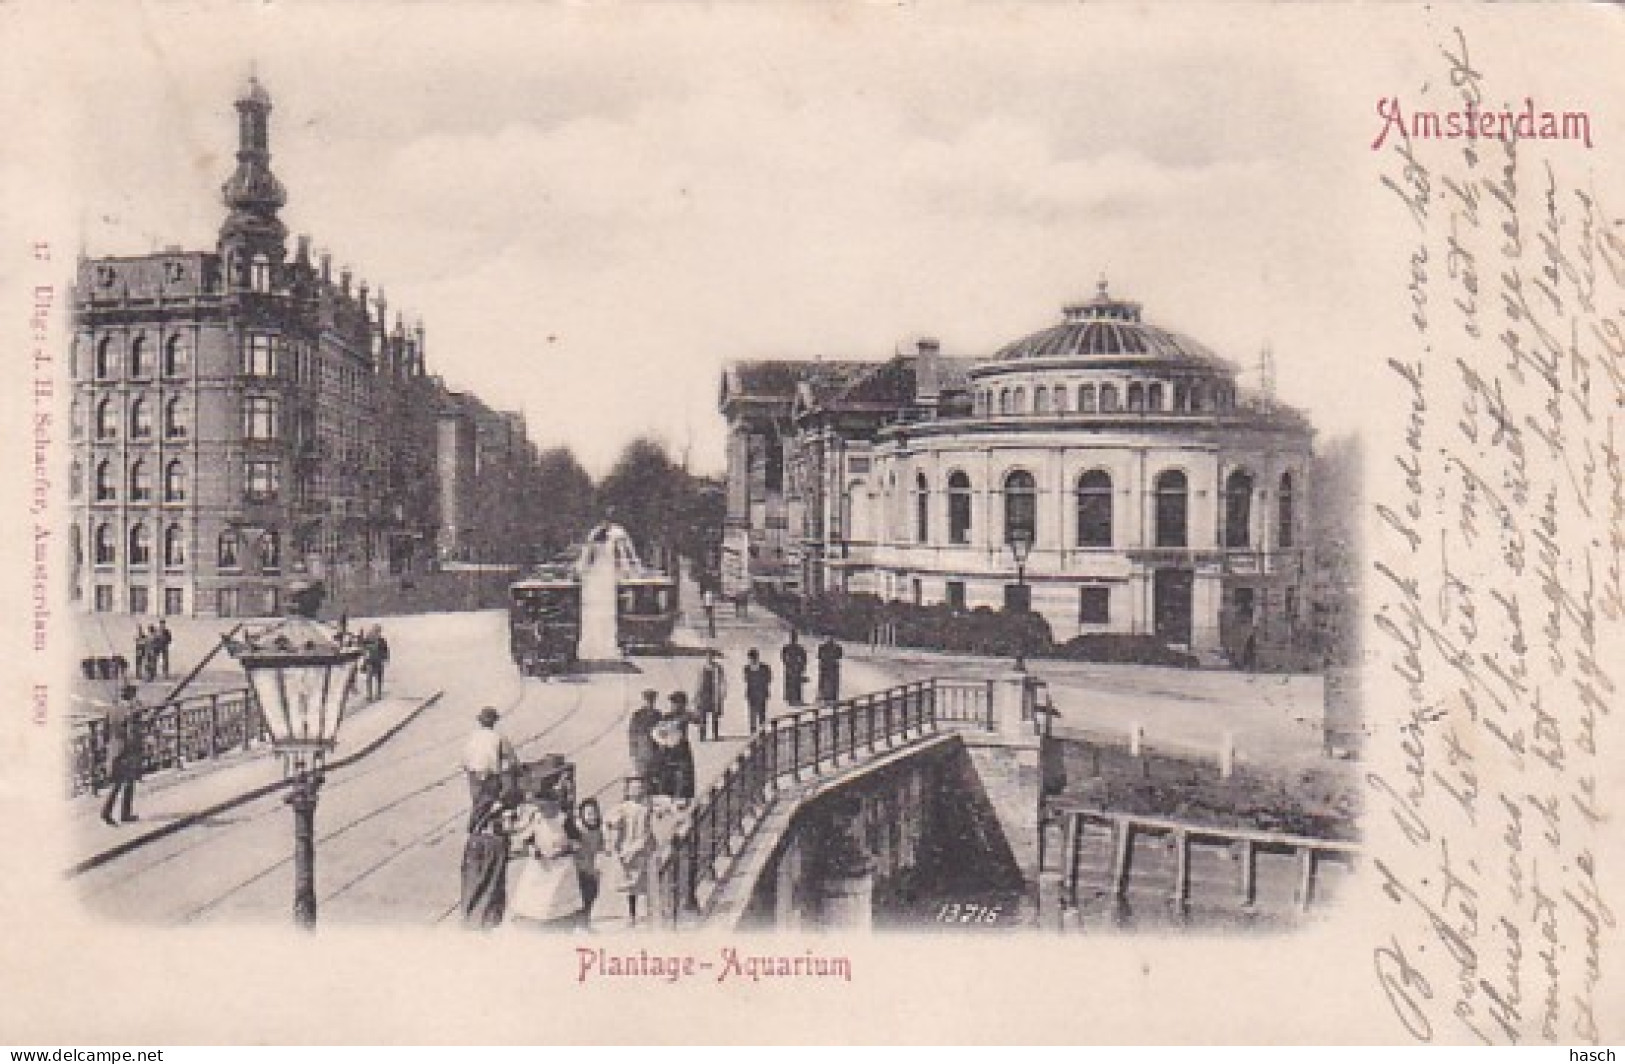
302, 677
1021, 545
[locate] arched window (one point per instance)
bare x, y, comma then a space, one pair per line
1196, 398
1020, 506
226, 556
175, 418
140, 482
270, 552
1136, 397
1004, 400
1041, 400
1238, 510
177, 357
175, 482
140, 419
1283, 512
106, 489
259, 274
1018, 401
1086, 399
1108, 398
1095, 509
76, 479
106, 418
1061, 399
922, 509
1153, 397
106, 359
958, 508
139, 363
140, 545
174, 546
1182, 397
1172, 509
106, 545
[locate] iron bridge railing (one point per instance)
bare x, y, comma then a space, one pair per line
174, 734
802, 746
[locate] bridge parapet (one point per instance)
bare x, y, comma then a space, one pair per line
999, 719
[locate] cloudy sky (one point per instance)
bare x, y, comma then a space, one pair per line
594, 208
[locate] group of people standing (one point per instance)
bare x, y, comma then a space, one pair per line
152, 650
535, 857
759, 677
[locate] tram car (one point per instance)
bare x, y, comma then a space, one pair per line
645, 610
544, 622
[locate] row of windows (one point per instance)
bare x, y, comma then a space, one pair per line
1137, 397
174, 600
138, 481
260, 418
1094, 600
138, 541
1094, 509
262, 480
140, 418
142, 361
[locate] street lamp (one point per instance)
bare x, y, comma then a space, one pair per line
1021, 548
302, 672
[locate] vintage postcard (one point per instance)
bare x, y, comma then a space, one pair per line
1007, 523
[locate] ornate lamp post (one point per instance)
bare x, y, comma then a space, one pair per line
302, 673
1021, 548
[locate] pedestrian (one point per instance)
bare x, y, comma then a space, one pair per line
829, 670
377, 657
675, 774
488, 759
485, 856
163, 638
143, 649
708, 601
629, 836
640, 741
710, 695
589, 830
545, 890
794, 657
742, 604
126, 755
758, 686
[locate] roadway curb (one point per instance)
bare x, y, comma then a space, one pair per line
182, 823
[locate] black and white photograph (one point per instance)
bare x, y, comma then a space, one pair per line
815, 505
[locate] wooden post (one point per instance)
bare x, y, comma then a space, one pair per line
1182, 874
1249, 874
1306, 877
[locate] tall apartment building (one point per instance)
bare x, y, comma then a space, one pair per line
243, 414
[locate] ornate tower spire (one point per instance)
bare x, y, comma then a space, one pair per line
252, 194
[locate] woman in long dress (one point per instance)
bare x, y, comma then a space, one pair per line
675, 761
485, 858
545, 888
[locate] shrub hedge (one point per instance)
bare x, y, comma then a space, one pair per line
982, 631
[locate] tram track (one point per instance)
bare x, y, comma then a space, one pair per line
412, 795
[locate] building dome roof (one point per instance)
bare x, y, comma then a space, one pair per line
1108, 328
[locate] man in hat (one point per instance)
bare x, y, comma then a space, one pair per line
488, 757
758, 686
640, 741
829, 671
125, 755
710, 694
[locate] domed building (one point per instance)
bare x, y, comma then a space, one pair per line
1105, 472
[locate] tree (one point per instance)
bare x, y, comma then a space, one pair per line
557, 502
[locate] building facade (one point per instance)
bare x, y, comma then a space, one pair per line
243, 414
1154, 497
